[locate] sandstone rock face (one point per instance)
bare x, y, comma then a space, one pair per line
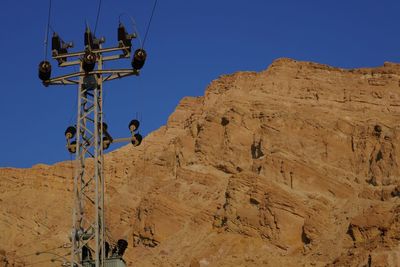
297, 165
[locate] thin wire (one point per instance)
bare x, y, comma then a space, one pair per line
151, 19
44, 236
51, 28
38, 262
36, 253
97, 18
52, 259
46, 40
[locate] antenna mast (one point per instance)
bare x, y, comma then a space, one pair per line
91, 138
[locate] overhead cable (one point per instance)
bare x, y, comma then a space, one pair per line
46, 40
97, 17
151, 19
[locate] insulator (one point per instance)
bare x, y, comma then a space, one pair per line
122, 244
88, 61
72, 147
136, 139
44, 70
121, 32
88, 38
70, 132
139, 58
56, 42
59, 47
124, 36
106, 142
134, 125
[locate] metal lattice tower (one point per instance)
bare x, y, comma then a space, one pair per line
89, 247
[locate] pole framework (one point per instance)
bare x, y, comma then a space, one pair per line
88, 211
88, 216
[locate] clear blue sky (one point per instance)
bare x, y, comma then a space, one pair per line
190, 43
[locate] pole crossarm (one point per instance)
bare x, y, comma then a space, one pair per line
78, 62
125, 49
110, 75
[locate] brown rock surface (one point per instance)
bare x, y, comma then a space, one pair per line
297, 165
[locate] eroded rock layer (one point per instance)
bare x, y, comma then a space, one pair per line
297, 165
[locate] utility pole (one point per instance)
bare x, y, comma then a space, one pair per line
89, 247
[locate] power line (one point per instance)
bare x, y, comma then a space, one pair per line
36, 253
97, 18
36, 240
56, 258
151, 19
35, 263
46, 41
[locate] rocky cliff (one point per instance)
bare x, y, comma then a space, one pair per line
297, 165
